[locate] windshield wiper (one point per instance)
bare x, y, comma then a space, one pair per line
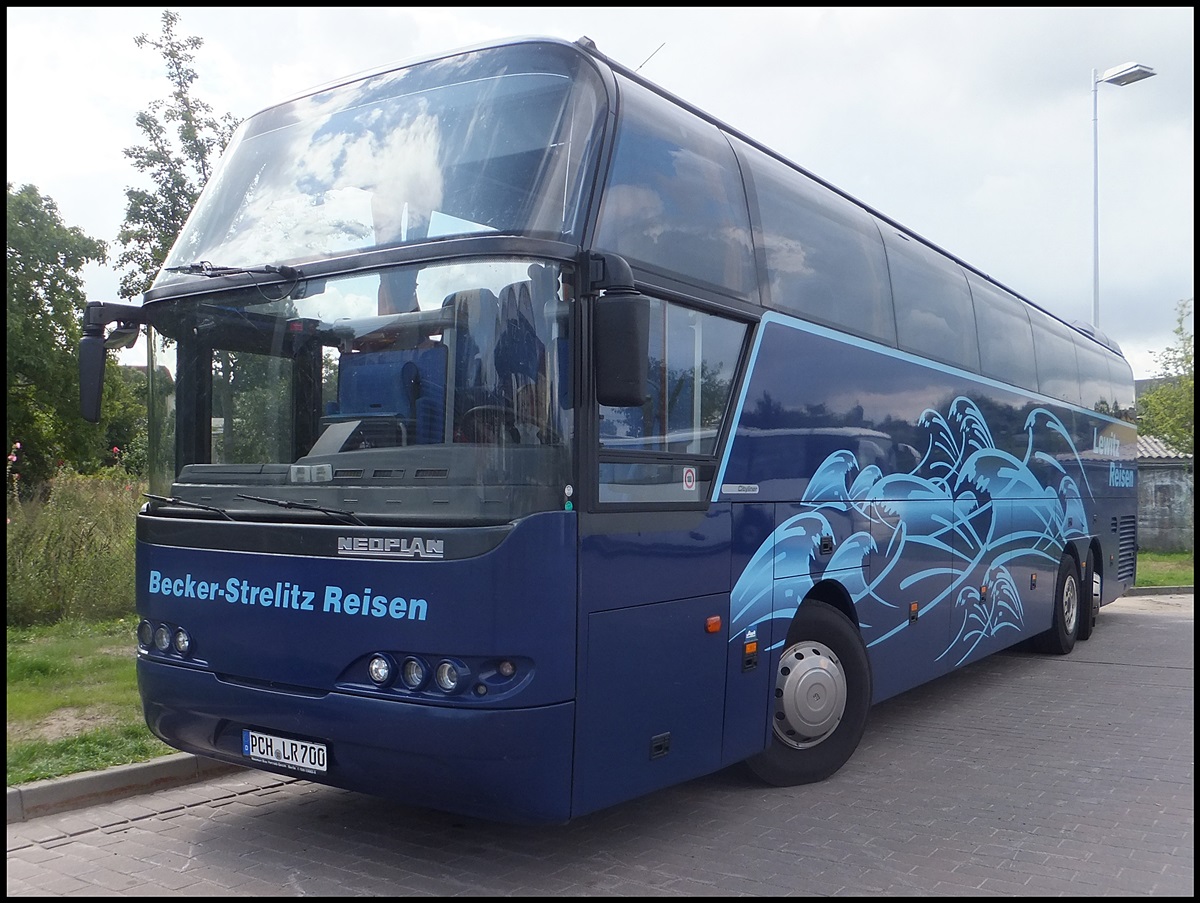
349, 516
184, 503
204, 268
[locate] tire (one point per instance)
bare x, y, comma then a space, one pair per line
1089, 599
822, 696
1060, 638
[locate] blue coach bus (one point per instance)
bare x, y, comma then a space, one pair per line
525, 440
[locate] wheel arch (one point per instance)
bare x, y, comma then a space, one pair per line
834, 595
1073, 549
1097, 555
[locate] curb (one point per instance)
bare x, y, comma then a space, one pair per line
54, 795
1160, 590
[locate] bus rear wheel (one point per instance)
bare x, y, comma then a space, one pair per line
822, 695
1089, 598
1060, 638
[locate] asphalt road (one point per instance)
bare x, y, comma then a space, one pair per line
1022, 775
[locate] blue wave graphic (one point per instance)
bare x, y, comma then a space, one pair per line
937, 535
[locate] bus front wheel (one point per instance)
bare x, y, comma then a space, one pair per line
822, 695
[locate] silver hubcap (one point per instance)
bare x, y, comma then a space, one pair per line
1070, 604
810, 694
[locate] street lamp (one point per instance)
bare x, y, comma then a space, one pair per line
1125, 74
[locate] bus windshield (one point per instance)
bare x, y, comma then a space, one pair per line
492, 141
296, 400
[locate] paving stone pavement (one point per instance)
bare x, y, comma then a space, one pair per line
1022, 775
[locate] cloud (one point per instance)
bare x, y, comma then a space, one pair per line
973, 127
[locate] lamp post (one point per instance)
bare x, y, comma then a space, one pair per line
1125, 74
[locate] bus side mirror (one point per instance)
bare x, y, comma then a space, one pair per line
94, 344
622, 348
92, 359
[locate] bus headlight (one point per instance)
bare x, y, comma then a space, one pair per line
182, 641
380, 669
414, 673
145, 634
447, 677
162, 637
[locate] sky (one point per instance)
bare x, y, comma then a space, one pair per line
972, 127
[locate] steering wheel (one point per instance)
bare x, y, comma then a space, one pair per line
488, 424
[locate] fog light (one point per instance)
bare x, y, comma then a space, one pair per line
414, 673
380, 669
182, 641
446, 677
162, 638
145, 633
506, 669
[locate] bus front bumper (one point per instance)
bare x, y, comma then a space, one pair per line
505, 765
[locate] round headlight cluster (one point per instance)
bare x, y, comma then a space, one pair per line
449, 676
164, 638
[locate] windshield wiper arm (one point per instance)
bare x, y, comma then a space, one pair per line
349, 516
204, 268
184, 503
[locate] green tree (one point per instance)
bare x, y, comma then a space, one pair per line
45, 304
184, 140
1168, 410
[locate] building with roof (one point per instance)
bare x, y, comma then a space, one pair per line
1166, 497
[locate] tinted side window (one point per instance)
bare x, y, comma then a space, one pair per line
693, 360
1095, 384
934, 313
1124, 403
1005, 336
1058, 367
825, 259
674, 200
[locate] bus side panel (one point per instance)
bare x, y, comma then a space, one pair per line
965, 495
905, 615
652, 662
652, 700
1111, 467
749, 671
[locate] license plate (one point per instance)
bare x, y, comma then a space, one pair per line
298, 755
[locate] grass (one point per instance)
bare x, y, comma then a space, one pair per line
1165, 569
71, 552
73, 703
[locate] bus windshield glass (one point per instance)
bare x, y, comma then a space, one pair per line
492, 141
283, 401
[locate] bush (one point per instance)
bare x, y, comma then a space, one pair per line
71, 550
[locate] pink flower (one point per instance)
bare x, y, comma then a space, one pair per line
116, 450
